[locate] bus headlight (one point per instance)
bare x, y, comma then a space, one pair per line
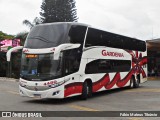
21, 84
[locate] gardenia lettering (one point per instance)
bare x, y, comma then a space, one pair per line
113, 54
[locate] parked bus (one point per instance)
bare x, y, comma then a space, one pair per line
61, 60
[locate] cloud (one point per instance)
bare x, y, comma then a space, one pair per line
13, 12
133, 18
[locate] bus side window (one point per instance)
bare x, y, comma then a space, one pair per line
72, 61
107, 66
104, 66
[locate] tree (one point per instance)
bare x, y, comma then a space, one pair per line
5, 36
32, 24
22, 36
58, 11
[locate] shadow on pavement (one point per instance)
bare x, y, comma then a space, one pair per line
78, 98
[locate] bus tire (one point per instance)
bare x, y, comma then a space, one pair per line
86, 91
136, 82
132, 82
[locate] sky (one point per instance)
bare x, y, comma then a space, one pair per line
133, 18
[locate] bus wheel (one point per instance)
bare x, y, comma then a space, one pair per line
86, 90
132, 82
136, 82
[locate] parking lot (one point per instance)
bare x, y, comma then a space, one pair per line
145, 98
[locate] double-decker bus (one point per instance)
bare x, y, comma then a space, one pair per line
61, 60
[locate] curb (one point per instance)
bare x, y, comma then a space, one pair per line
153, 78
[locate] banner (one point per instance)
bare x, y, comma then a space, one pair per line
79, 114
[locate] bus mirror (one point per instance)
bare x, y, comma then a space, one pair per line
56, 56
62, 47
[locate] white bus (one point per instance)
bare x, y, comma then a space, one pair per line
61, 60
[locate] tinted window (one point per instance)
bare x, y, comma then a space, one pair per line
77, 34
107, 66
101, 38
46, 36
72, 59
52, 35
40, 67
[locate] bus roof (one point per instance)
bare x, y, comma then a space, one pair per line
83, 24
65, 23
53, 34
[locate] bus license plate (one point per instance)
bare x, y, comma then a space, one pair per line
38, 96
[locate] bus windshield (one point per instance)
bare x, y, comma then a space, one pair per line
53, 35
40, 67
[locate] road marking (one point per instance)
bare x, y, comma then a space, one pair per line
153, 78
16, 93
8, 79
136, 119
9, 91
144, 90
83, 108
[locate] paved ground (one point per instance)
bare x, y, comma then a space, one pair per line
145, 98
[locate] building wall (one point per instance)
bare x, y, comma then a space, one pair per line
153, 53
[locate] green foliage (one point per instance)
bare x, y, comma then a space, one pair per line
22, 36
58, 11
5, 36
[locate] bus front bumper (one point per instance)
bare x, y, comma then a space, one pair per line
57, 92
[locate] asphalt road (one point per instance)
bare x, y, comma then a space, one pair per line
145, 98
